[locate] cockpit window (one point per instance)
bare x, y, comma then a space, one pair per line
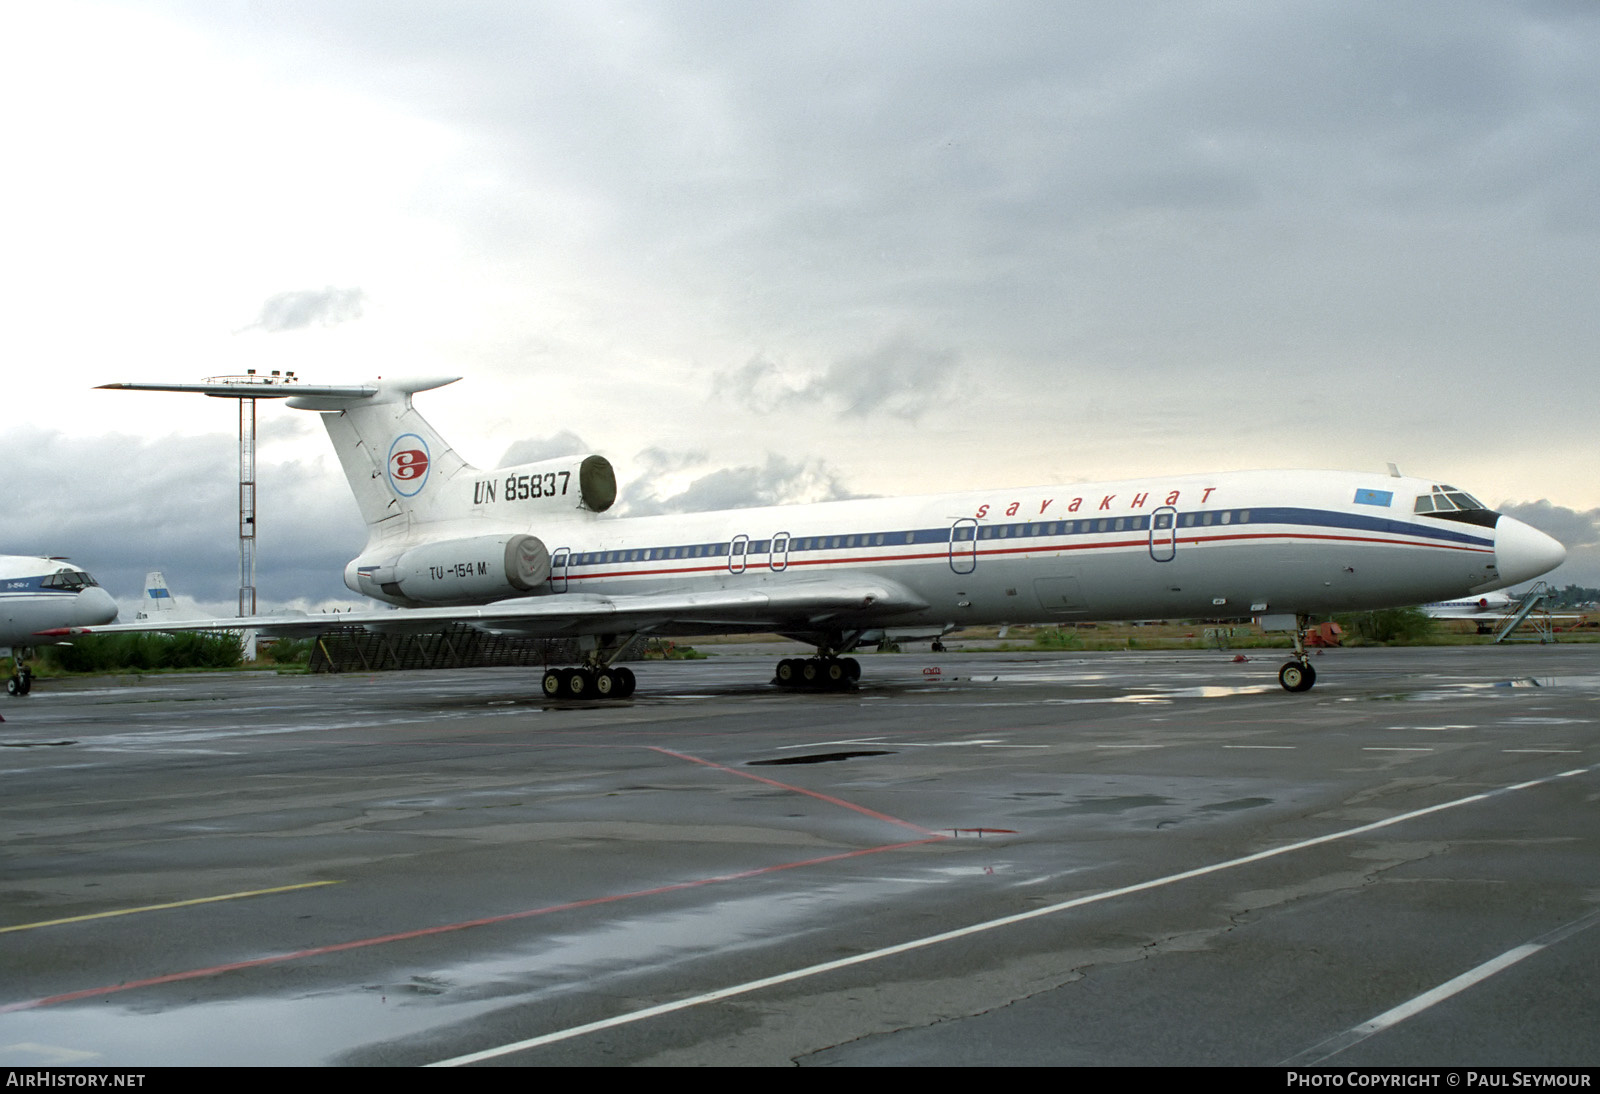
1445, 499
70, 580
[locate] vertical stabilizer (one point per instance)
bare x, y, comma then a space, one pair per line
157, 602
397, 464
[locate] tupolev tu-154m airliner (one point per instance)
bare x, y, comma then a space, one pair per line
529, 550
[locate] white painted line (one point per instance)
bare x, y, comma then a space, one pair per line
1553, 751
1290, 748
834, 744
988, 925
1383, 748
1130, 746
1395, 1015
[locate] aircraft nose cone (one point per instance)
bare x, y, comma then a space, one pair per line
1522, 553
93, 607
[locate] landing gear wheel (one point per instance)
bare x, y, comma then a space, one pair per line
625, 682
576, 684
1297, 676
551, 683
14, 686
810, 672
833, 673
788, 674
852, 669
605, 684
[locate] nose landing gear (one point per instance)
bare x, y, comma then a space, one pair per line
1298, 675
21, 679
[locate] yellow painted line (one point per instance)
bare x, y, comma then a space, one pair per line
163, 907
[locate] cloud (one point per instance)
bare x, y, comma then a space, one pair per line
534, 449
1577, 529
777, 481
1573, 527
304, 307
120, 506
901, 378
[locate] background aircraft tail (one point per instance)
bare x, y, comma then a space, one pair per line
157, 602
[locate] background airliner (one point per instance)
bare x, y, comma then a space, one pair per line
529, 550
44, 595
1484, 607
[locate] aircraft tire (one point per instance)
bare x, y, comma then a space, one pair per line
606, 684
810, 672
551, 684
788, 673
834, 675
625, 682
1297, 676
577, 684
14, 686
852, 669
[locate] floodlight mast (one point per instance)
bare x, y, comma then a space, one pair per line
246, 388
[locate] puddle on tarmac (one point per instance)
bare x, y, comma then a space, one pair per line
322, 1027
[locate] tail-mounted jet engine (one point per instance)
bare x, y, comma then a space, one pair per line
458, 571
548, 486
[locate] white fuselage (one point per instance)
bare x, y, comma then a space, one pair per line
1227, 545
41, 594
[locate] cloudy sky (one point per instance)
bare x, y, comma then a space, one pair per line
757, 252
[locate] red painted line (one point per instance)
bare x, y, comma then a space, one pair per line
930, 836
444, 928
863, 810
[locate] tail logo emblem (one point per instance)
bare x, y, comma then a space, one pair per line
408, 464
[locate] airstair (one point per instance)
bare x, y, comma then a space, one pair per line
1528, 610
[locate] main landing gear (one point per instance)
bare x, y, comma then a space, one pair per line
824, 673
599, 677
1298, 675
588, 683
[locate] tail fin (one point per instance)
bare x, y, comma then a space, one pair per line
404, 474
396, 463
157, 602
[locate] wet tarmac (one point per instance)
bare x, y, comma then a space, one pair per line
1113, 858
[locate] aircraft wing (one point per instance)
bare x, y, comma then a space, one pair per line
843, 602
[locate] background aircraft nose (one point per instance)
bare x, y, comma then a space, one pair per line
93, 607
1522, 553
